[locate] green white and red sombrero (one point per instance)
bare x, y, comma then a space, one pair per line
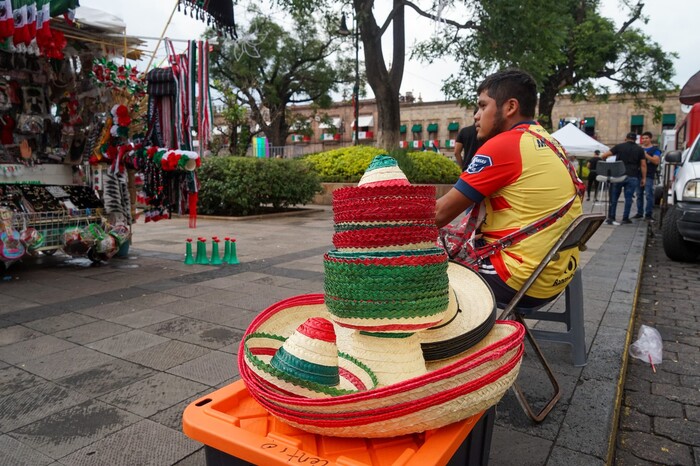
401, 340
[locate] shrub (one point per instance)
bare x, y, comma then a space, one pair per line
346, 165
245, 185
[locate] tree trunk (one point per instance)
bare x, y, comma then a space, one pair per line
384, 83
547, 99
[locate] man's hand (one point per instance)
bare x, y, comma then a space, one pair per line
643, 182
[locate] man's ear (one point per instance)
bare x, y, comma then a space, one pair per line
511, 107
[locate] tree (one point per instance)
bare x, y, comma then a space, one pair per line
279, 68
235, 118
566, 45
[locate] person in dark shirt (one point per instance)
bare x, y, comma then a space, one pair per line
636, 170
592, 182
646, 191
466, 145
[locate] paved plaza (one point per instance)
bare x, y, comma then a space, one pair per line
97, 363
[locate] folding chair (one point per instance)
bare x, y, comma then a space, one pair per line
609, 173
575, 236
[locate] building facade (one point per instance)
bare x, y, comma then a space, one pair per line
436, 124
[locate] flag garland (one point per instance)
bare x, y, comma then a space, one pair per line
218, 12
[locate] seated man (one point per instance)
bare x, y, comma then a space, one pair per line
518, 178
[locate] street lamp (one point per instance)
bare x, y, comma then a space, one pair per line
344, 31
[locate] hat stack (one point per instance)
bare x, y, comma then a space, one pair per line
402, 341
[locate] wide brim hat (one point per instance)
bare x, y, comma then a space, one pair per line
449, 390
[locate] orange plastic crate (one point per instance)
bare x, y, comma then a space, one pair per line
230, 421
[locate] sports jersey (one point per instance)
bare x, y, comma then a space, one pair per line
521, 180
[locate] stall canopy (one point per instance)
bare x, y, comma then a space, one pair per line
690, 93
578, 143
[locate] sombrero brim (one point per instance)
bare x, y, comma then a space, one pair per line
451, 390
471, 315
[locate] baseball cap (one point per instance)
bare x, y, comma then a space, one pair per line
632, 136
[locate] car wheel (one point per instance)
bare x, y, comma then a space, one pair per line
675, 247
658, 194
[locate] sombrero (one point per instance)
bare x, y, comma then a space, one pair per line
401, 340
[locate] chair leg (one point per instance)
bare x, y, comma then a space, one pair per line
575, 324
520, 395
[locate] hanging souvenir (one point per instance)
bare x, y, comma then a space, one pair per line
7, 23
11, 248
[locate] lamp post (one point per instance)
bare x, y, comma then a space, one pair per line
344, 31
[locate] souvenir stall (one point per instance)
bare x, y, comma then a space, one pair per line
52, 117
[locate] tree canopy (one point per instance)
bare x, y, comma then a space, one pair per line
269, 68
566, 45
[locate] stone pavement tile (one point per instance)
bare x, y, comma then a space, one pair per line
305, 286
33, 313
692, 381
655, 448
506, 445
166, 355
110, 310
57, 323
642, 370
33, 348
631, 419
587, 424
5, 323
211, 369
201, 333
172, 417
16, 333
143, 443
678, 429
625, 458
605, 356
188, 291
617, 315
94, 331
165, 286
560, 456
66, 431
271, 280
16, 453
127, 343
21, 408
185, 306
13, 379
653, 405
683, 395
67, 362
636, 384
151, 300
255, 303
12, 304
142, 318
152, 394
225, 315
198, 458
692, 413
103, 379
37, 293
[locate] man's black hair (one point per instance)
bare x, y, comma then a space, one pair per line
512, 84
647, 133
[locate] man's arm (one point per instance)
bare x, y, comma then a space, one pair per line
654, 158
458, 153
606, 155
449, 206
643, 167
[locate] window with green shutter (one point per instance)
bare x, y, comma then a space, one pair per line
417, 129
432, 128
668, 120
453, 126
402, 129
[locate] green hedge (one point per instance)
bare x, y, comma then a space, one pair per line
245, 185
347, 164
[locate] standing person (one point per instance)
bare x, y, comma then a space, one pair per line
645, 192
518, 178
592, 174
468, 142
636, 170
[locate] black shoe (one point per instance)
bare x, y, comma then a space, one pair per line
638, 216
611, 222
626, 221
649, 219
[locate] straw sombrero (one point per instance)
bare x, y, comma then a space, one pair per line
401, 340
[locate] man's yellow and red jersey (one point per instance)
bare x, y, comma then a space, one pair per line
521, 180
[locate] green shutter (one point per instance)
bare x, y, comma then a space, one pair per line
668, 119
590, 122
432, 128
454, 126
637, 120
417, 129
402, 129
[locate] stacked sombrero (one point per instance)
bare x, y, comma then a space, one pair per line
401, 341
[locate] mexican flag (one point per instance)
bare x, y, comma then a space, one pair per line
7, 23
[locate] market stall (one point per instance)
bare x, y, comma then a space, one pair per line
53, 115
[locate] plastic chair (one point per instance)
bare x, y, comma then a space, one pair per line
609, 173
575, 236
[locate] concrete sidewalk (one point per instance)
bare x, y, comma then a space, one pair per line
97, 363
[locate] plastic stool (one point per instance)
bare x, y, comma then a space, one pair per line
575, 335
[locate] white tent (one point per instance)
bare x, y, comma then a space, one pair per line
578, 143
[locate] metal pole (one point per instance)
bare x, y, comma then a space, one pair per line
357, 82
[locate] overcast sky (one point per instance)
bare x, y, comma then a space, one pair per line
672, 23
